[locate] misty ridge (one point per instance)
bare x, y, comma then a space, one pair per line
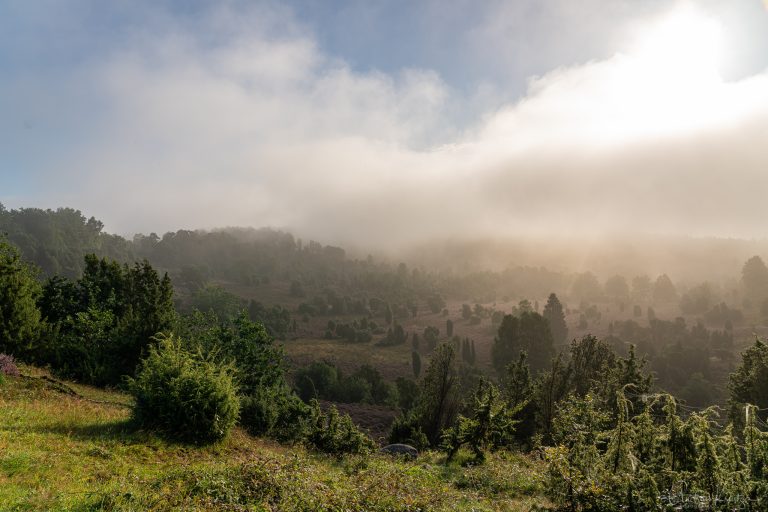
687, 260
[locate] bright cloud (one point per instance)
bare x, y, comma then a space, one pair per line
264, 128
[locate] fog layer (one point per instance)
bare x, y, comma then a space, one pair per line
229, 124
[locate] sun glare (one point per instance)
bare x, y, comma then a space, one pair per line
668, 82
685, 46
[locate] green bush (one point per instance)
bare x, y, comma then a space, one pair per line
491, 426
258, 361
325, 381
351, 390
335, 434
406, 429
274, 412
184, 395
85, 347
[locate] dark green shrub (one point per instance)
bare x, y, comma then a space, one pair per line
305, 387
215, 298
381, 392
184, 395
395, 336
325, 381
431, 336
416, 363
435, 303
259, 362
316, 380
406, 429
276, 319
351, 390
86, 346
335, 434
407, 393
274, 412
491, 426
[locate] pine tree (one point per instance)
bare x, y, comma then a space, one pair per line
388, 315
438, 402
416, 363
529, 332
19, 290
553, 312
754, 279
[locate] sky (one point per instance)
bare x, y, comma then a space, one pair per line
390, 122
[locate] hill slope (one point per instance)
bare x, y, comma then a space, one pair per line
70, 447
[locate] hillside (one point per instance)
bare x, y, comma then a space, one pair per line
69, 447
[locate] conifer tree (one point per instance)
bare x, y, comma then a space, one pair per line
529, 332
19, 291
553, 312
438, 402
754, 280
416, 363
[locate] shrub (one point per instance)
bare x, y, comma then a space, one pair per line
431, 336
258, 362
183, 394
86, 347
435, 303
351, 390
335, 434
407, 393
274, 412
491, 426
406, 429
325, 381
8, 366
316, 380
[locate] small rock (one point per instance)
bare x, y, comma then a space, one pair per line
401, 449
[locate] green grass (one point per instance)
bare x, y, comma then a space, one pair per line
62, 452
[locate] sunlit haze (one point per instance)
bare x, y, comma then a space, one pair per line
381, 125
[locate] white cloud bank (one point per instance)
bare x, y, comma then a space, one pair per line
259, 128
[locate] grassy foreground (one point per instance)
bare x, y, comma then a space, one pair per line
61, 451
